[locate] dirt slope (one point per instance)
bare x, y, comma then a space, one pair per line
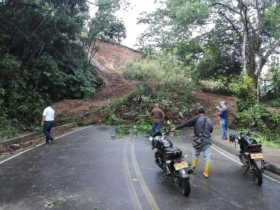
210, 101
110, 59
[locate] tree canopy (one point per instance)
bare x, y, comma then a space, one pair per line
42, 55
233, 35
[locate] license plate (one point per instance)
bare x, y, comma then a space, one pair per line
256, 156
181, 165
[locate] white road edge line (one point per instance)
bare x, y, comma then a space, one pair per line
38, 145
233, 159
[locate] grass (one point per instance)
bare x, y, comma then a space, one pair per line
270, 140
8, 132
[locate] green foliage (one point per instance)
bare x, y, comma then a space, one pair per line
188, 11
255, 115
245, 91
105, 24
6, 128
218, 26
221, 85
42, 58
275, 102
270, 139
142, 127
132, 113
165, 69
216, 62
271, 20
274, 87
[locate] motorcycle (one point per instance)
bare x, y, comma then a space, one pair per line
250, 155
170, 159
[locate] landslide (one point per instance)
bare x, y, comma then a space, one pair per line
110, 61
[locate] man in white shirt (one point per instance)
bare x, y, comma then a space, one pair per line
48, 123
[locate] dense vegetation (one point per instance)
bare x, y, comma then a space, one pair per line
225, 46
43, 57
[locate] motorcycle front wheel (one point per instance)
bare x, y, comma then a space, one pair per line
185, 186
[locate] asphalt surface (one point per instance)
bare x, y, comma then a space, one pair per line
91, 170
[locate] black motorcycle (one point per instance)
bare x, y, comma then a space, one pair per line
250, 155
170, 159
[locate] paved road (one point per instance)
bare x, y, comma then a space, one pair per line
90, 170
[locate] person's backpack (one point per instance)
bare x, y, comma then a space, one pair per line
199, 141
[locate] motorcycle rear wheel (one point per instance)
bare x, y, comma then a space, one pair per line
185, 186
258, 174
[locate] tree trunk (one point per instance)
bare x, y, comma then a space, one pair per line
244, 58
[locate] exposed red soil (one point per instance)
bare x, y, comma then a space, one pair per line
210, 101
110, 61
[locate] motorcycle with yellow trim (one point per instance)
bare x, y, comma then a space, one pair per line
250, 155
170, 159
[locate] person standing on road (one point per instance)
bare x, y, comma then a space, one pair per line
48, 123
223, 115
202, 139
157, 116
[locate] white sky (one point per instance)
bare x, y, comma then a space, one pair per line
130, 19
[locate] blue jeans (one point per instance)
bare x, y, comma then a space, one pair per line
206, 150
47, 127
224, 128
155, 128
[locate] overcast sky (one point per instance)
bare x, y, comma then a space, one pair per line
130, 19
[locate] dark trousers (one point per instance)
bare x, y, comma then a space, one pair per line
47, 127
156, 128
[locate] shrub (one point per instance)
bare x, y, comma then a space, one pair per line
244, 89
163, 69
275, 83
260, 118
221, 85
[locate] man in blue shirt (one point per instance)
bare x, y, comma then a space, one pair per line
223, 115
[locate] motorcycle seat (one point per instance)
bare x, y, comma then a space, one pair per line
254, 148
172, 153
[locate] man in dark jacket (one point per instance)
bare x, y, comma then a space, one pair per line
202, 138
